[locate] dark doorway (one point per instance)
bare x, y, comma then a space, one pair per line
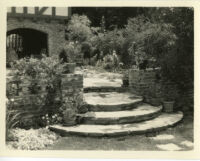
27, 43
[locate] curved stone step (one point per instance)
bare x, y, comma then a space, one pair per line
104, 89
111, 101
159, 123
141, 113
98, 80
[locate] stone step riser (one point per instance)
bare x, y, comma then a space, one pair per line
104, 89
119, 107
123, 120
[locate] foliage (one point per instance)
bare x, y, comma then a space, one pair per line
45, 72
183, 64
81, 35
69, 53
147, 40
12, 118
86, 50
32, 139
109, 62
110, 17
78, 28
110, 41
71, 108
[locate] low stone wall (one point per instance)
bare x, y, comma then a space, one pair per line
149, 84
25, 101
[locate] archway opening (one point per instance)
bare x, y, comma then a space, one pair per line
22, 43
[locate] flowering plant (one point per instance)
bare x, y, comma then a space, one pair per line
51, 119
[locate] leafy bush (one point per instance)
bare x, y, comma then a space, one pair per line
48, 70
70, 52
86, 50
146, 40
82, 35
110, 41
78, 28
109, 62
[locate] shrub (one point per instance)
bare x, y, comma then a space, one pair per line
109, 62
70, 52
110, 41
48, 70
147, 40
78, 28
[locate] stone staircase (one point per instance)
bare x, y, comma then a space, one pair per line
114, 112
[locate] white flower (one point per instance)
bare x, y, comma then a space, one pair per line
12, 99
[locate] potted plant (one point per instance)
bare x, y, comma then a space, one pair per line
69, 114
169, 97
125, 78
71, 110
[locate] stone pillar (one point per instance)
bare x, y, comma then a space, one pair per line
72, 87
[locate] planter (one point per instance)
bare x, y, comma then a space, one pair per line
125, 82
125, 79
69, 117
168, 106
69, 114
69, 67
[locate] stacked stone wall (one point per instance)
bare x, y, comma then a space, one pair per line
149, 84
24, 101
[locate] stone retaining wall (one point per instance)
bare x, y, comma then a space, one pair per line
149, 84
30, 104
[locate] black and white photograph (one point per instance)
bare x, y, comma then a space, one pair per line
99, 78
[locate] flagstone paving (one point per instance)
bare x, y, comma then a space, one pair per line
163, 137
187, 143
169, 147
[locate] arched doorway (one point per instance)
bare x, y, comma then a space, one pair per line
24, 42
